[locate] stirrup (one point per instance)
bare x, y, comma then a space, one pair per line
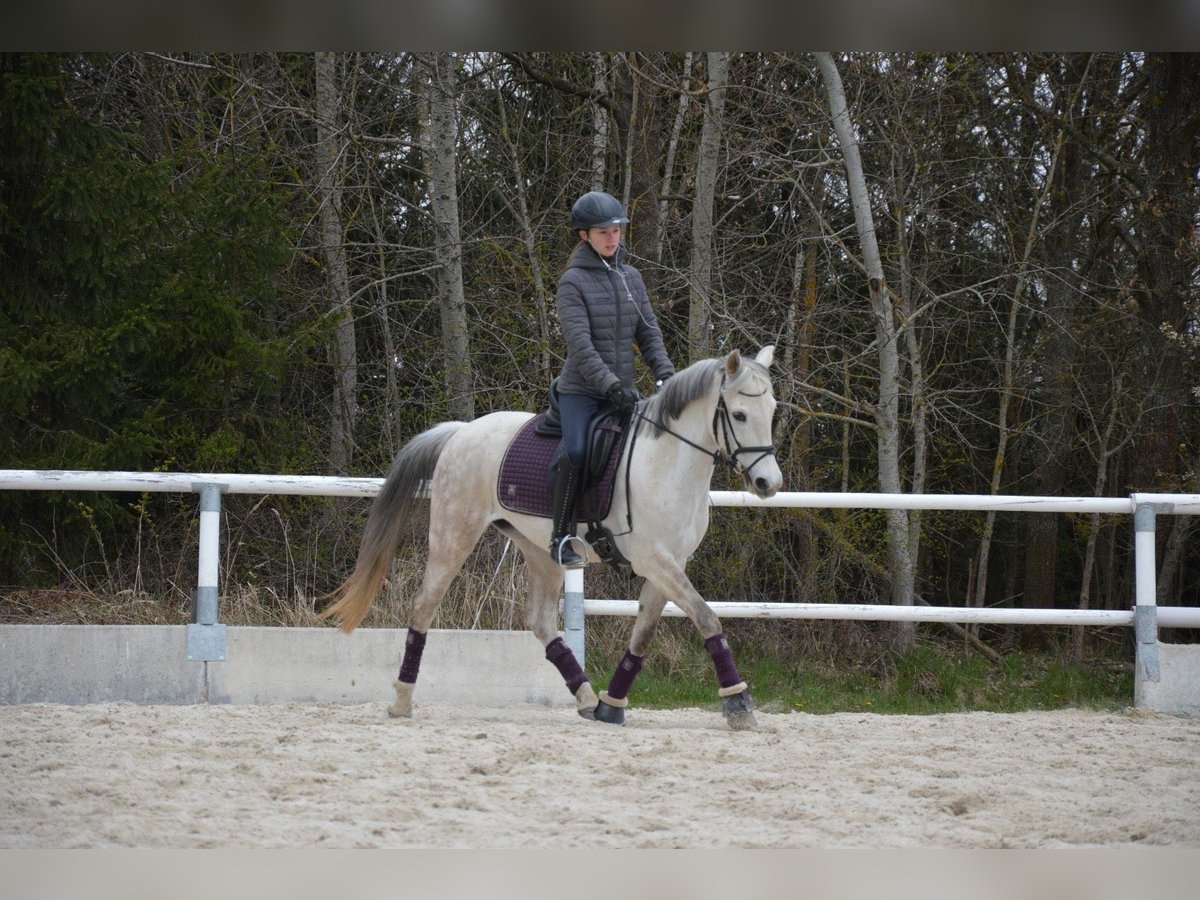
564, 554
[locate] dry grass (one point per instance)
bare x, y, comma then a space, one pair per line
77, 606
488, 593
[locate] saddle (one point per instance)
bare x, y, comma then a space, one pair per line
602, 435
525, 483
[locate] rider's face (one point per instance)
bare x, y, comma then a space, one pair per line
604, 240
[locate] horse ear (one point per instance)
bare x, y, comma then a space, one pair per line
733, 364
766, 355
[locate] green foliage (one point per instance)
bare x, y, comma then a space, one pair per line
142, 319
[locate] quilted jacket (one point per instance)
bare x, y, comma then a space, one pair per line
603, 310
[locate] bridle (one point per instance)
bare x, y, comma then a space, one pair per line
733, 448
727, 436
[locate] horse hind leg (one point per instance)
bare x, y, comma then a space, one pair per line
451, 539
541, 617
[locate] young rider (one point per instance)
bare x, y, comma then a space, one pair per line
604, 311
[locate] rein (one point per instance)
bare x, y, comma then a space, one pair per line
727, 436
715, 454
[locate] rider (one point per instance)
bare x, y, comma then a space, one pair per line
603, 310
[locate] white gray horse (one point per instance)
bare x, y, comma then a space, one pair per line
714, 409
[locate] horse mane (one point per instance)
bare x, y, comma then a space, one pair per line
679, 391
690, 385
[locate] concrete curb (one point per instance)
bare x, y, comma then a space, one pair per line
1178, 689
147, 664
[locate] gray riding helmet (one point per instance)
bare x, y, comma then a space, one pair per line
596, 209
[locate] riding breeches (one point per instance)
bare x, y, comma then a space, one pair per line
576, 412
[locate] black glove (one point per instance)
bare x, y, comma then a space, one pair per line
658, 384
623, 399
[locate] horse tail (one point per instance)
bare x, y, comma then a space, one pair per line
393, 505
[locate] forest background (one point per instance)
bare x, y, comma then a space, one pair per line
292, 263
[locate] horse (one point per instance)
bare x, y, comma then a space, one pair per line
715, 409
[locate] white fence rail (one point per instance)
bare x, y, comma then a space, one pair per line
1168, 616
206, 637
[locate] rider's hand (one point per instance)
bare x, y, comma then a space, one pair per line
624, 399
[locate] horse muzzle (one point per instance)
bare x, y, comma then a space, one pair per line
763, 479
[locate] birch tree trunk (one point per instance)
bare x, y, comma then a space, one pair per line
599, 119
329, 187
669, 167
540, 295
700, 342
441, 163
887, 410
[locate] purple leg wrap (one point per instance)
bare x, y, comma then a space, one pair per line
566, 663
622, 678
414, 646
718, 648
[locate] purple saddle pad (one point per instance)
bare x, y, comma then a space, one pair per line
524, 483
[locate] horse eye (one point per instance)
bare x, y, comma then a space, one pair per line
739, 417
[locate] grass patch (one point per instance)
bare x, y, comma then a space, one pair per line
929, 679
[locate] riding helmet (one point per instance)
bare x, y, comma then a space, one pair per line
596, 209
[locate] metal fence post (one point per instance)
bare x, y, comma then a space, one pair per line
205, 636
1145, 611
573, 621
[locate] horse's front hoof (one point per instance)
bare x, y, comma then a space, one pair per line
611, 709
613, 715
739, 711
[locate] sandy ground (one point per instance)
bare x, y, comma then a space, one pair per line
119, 775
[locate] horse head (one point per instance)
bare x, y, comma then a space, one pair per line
744, 418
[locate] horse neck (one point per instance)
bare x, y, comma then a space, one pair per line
696, 421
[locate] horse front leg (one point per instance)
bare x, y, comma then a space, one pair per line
613, 701
670, 578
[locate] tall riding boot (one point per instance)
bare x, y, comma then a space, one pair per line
566, 486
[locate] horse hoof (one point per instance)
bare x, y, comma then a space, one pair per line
613, 715
585, 701
739, 711
402, 708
